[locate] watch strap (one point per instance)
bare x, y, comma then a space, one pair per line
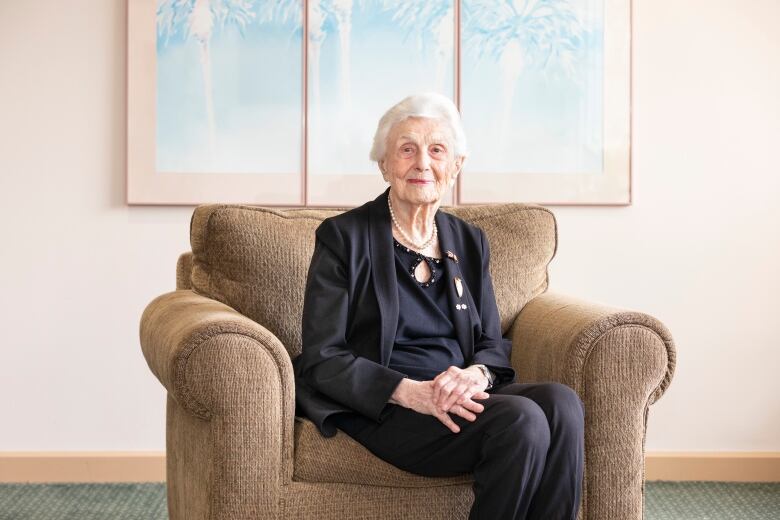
488, 375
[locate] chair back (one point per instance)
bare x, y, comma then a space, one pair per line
255, 259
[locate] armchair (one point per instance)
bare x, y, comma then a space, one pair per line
222, 345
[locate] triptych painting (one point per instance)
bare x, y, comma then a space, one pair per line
276, 102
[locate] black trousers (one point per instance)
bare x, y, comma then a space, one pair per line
525, 449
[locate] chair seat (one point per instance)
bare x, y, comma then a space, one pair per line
341, 459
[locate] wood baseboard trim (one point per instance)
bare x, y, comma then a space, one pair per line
82, 466
721, 466
150, 466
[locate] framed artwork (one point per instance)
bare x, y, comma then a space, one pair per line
276, 102
556, 127
215, 91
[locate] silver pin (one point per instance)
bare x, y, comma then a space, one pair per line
457, 306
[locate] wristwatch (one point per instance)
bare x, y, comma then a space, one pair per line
488, 374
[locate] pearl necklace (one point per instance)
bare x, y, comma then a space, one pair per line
419, 247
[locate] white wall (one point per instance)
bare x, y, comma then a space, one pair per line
699, 247
78, 265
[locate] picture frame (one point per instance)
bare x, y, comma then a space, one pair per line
566, 140
573, 140
208, 120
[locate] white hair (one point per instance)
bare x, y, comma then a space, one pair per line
430, 105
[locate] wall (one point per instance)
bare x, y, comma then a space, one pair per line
698, 248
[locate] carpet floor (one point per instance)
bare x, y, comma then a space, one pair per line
146, 501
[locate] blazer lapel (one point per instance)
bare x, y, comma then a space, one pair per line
461, 317
383, 273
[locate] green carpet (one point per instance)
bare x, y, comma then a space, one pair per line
712, 500
663, 501
83, 501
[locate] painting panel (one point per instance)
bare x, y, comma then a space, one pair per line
548, 133
364, 57
215, 101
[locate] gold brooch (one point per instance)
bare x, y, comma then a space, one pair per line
459, 287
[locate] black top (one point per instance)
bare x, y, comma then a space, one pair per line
425, 341
350, 313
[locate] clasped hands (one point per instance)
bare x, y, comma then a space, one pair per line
452, 391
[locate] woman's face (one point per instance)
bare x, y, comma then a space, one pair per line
420, 160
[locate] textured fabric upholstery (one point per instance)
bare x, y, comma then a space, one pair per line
343, 459
184, 271
619, 362
222, 343
255, 259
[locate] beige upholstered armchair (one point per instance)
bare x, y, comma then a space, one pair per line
222, 345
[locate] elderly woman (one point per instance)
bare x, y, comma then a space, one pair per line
402, 345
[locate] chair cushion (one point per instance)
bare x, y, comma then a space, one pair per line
255, 259
344, 460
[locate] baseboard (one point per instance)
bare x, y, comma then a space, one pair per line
82, 466
722, 466
150, 466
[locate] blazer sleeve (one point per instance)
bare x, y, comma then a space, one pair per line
328, 364
491, 349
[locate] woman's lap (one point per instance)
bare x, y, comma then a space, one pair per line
422, 444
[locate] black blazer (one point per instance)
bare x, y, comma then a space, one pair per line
350, 312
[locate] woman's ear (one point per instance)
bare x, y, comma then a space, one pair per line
459, 164
381, 164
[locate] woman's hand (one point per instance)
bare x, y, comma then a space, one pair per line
456, 385
419, 396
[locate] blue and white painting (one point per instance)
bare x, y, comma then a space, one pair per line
229, 82
229, 86
365, 56
532, 87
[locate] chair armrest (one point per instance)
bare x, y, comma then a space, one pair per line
182, 326
555, 335
226, 369
619, 362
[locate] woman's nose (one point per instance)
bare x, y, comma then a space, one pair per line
423, 161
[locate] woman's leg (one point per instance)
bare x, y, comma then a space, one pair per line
505, 448
558, 495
